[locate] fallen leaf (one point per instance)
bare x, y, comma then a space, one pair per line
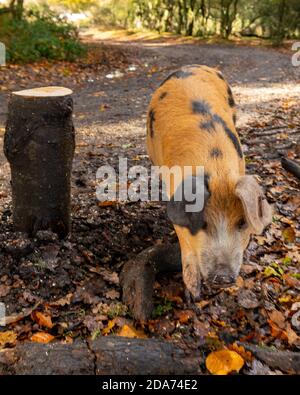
19, 316
66, 300
107, 203
246, 355
111, 277
248, 299
223, 362
202, 303
112, 294
289, 235
109, 327
42, 319
292, 336
42, 337
183, 316
8, 337
130, 331
4, 290
278, 318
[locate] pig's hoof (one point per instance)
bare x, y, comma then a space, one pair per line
192, 298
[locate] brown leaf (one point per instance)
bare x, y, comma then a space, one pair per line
19, 316
112, 294
109, 276
42, 337
66, 300
292, 336
4, 290
278, 318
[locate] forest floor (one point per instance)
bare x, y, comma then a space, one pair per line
70, 289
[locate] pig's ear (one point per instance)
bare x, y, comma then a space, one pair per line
258, 212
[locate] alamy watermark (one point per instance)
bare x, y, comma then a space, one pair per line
2, 314
2, 54
136, 184
296, 56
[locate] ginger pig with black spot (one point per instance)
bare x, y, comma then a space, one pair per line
191, 122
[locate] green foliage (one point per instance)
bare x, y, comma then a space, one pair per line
162, 308
273, 19
40, 35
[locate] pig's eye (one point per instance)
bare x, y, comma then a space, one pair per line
242, 224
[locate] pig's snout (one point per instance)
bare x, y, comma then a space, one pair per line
221, 280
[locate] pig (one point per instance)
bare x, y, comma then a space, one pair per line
191, 122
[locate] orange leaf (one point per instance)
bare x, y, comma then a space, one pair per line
107, 203
42, 319
109, 327
8, 337
42, 337
184, 316
223, 362
129, 331
246, 355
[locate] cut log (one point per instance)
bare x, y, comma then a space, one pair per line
287, 361
106, 355
138, 276
291, 166
39, 144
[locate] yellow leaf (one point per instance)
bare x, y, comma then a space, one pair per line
129, 331
289, 235
42, 337
42, 319
109, 327
8, 337
223, 362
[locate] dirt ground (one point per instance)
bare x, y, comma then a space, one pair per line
75, 281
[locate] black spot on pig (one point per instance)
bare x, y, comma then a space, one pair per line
229, 133
230, 97
179, 74
200, 107
152, 120
163, 95
177, 213
220, 75
216, 153
207, 126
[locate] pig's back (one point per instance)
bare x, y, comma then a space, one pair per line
191, 121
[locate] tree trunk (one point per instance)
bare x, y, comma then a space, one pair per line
39, 145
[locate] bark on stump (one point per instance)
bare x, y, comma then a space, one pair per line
39, 144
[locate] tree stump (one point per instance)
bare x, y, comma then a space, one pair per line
138, 276
39, 144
